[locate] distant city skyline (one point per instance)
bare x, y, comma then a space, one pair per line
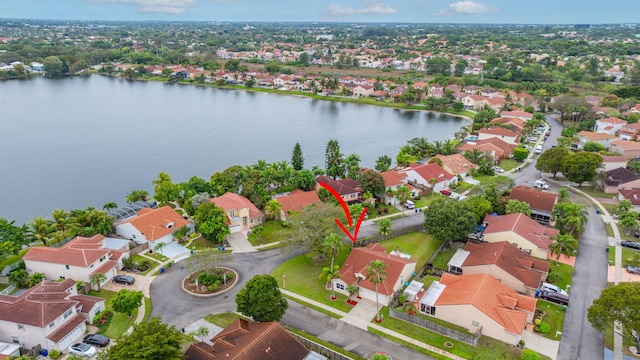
389, 11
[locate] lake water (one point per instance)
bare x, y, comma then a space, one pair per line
84, 141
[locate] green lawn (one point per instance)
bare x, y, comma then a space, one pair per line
271, 234
595, 192
137, 259
426, 200
420, 246
554, 316
147, 308
627, 256
12, 258
462, 187
487, 349
158, 256
120, 322
223, 320
508, 164
442, 259
565, 271
381, 210
201, 243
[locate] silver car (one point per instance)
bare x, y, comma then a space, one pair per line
83, 349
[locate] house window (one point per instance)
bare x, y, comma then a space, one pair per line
20, 327
352, 196
52, 324
427, 309
339, 286
15, 339
67, 313
455, 270
66, 267
232, 213
102, 258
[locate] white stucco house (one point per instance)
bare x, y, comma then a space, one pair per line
353, 272
50, 314
78, 259
152, 226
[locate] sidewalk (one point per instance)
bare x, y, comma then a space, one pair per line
373, 326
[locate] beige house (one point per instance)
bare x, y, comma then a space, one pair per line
479, 301
50, 314
78, 259
473, 102
584, 137
628, 149
242, 215
353, 272
503, 134
456, 164
504, 261
363, 91
521, 231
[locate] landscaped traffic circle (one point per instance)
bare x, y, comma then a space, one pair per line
210, 281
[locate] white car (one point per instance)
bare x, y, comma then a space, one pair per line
553, 288
498, 169
83, 349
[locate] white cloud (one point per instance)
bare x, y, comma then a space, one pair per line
466, 7
154, 6
370, 7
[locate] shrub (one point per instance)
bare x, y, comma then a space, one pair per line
54, 354
529, 354
103, 318
545, 327
537, 321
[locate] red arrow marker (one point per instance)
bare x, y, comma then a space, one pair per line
345, 208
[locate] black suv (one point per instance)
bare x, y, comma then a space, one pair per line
124, 279
630, 244
555, 297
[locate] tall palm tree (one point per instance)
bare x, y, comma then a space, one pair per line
136, 195
328, 274
332, 245
63, 223
377, 275
475, 156
437, 147
40, 229
97, 279
384, 227
352, 162
448, 147
403, 194
570, 217
421, 145
200, 332
273, 208
564, 244
159, 246
109, 206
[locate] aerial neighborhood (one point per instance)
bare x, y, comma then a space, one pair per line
462, 248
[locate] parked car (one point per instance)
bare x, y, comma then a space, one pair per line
551, 288
633, 269
96, 339
630, 244
409, 204
445, 192
555, 297
498, 169
541, 184
83, 349
124, 279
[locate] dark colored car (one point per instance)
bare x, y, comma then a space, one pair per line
630, 244
96, 339
124, 279
633, 269
555, 297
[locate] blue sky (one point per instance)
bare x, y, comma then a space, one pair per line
415, 11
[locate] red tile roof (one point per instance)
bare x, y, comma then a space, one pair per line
153, 223
632, 195
517, 114
393, 178
498, 131
594, 136
524, 267
65, 329
297, 200
86, 301
232, 201
80, 251
537, 199
432, 171
358, 260
38, 306
490, 296
342, 186
538, 235
243, 340
456, 163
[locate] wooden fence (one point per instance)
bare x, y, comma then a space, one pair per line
471, 339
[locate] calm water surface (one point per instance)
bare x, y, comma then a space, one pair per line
78, 142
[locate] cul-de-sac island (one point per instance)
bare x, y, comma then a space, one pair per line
516, 238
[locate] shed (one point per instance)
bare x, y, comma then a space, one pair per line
412, 291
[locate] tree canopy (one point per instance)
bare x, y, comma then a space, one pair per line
211, 222
617, 303
126, 301
151, 339
261, 299
581, 167
372, 182
550, 161
449, 220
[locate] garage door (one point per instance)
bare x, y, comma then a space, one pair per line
235, 229
72, 337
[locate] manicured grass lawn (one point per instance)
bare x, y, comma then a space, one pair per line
420, 246
202, 243
302, 277
269, 234
554, 316
157, 256
595, 192
147, 308
508, 164
384, 210
137, 259
223, 320
442, 259
487, 349
565, 271
426, 200
627, 256
13, 258
464, 186
119, 322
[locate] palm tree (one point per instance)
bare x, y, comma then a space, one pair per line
159, 246
273, 208
437, 147
564, 244
109, 206
328, 274
421, 145
402, 193
570, 217
200, 332
97, 279
449, 147
63, 223
384, 227
332, 245
40, 229
563, 195
475, 156
377, 275
137, 195
352, 161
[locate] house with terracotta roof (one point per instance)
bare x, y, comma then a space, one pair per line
632, 195
456, 164
504, 261
79, 259
613, 162
473, 102
497, 148
50, 314
354, 272
472, 89
479, 301
584, 137
363, 90
621, 178
541, 202
611, 126
517, 114
245, 340
628, 149
152, 226
503, 134
430, 177
521, 231
392, 181
495, 103
242, 215
629, 132
296, 201
350, 190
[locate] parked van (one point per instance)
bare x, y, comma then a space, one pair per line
409, 204
539, 149
540, 184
